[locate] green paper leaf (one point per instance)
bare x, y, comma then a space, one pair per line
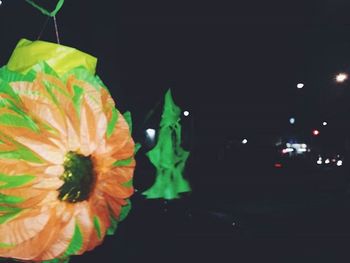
129, 183
77, 98
10, 200
57, 260
128, 119
97, 226
6, 245
125, 162
113, 227
82, 73
45, 11
137, 147
76, 242
22, 153
6, 217
125, 210
112, 122
16, 121
12, 181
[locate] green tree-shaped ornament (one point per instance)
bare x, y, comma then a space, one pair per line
167, 156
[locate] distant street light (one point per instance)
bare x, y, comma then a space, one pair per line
292, 120
300, 85
341, 77
244, 141
151, 134
315, 132
325, 123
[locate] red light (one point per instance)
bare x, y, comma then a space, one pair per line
315, 132
278, 165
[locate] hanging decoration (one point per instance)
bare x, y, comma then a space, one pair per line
45, 11
66, 155
168, 157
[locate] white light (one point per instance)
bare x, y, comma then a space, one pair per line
151, 133
325, 123
292, 120
186, 113
300, 85
287, 150
339, 163
244, 141
319, 161
341, 77
327, 161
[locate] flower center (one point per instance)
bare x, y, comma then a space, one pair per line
78, 178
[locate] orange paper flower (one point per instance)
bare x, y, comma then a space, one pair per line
66, 163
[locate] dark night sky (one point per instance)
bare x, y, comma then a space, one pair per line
233, 66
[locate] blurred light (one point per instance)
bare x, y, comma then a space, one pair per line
341, 77
278, 165
319, 161
186, 113
300, 85
244, 141
315, 132
287, 150
288, 144
327, 161
339, 163
151, 133
292, 120
325, 123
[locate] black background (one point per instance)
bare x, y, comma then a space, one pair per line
235, 68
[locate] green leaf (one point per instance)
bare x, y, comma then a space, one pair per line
125, 210
4, 218
97, 225
57, 260
82, 73
125, 162
16, 121
128, 119
77, 98
113, 227
76, 242
6, 245
12, 181
137, 147
7, 89
112, 122
45, 11
129, 183
22, 153
10, 200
